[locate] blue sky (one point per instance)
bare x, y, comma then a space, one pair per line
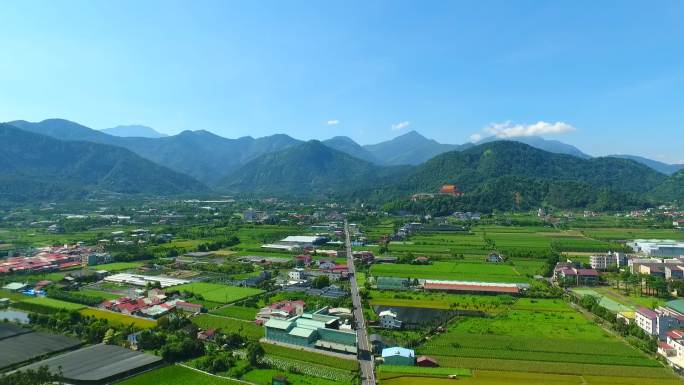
607, 76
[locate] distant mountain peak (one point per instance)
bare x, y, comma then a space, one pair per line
134, 130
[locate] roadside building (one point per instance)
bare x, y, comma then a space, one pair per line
389, 320
398, 356
313, 330
188, 307
572, 276
608, 261
494, 258
280, 310
426, 361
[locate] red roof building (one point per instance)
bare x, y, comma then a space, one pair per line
426, 361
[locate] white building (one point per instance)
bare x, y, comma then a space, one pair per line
606, 261
388, 320
296, 274
673, 348
657, 247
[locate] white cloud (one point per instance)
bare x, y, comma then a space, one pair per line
510, 130
332, 122
401, 125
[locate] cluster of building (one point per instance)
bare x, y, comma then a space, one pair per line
295, 243
317, 330
570, 274
153, 305
144, 280
48, 259
657, 248
664, 323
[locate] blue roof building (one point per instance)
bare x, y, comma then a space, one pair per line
399, 356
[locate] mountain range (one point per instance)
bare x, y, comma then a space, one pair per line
134, 130
279, 164
40, 167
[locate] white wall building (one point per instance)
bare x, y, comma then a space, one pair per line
388, 320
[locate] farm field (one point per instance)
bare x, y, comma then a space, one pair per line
52, 303
229, 325
604, 300
239, 312
176, 375
306, 356
554, 339
97, 293
489, 377
452, 271
118, 318
265, 376
116, 266
215, 292
484, 303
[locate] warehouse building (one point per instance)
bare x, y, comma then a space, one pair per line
313, 330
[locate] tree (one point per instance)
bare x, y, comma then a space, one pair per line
321, 282
254, 352
40, 376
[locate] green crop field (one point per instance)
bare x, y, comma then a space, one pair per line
605, 301
239, 312
97, 293
487, 377
543, 335
118, 318
53, 303
229, 325
485, 303
116, 266
177, 375
218, 293
265, 377
316, 358
452, 271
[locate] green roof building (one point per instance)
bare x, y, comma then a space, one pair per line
392, 283
312, 330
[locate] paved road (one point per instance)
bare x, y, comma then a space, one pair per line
365, 357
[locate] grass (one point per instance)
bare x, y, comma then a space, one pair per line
554, 339
464, 271
116, 266
12, 295
98, 294
53, 303
176, 375
316, 358
389, 371
487, 377
604, 301
218, 293
239, 312
229, 325
444, 301
555, 367
118, 318
265, 376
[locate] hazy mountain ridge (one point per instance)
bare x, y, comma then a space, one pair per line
134, 130
40, 166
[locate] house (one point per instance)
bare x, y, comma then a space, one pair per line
280, 379
572, 276
296, 274
647, 320
326, 264
426, 361
388, 320
421, 260
398, 356
607, 261
206, 335
280, 310
673, 348
189, 307
303, 260
494, 258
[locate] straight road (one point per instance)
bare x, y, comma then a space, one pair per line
363, 346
